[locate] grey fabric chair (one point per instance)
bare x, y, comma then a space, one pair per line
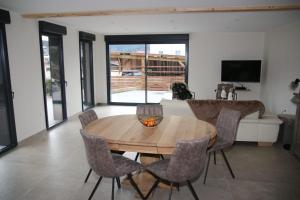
185, 165
149, 109
105, 164
227, 125
86, 118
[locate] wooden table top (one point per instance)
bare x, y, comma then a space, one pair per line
126, 133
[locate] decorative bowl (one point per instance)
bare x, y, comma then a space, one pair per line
149, 120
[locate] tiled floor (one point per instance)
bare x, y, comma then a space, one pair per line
52, 165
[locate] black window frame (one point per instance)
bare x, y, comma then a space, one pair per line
54, 30
5, 19
143, 39
88, 38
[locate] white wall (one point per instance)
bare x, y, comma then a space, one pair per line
25, 69
72, 71
207, 50
283, 66
100, 69
26, 75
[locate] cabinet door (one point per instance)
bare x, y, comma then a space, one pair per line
247, 132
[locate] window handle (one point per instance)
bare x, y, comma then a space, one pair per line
12, 94
66, 83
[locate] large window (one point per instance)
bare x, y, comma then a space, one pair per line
142, 68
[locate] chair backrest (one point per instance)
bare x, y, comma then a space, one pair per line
227, 124
149, 109
87, 117
226, 86
98, 155
188, 160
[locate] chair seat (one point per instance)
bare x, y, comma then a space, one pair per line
125, 166
159, 168
220, 143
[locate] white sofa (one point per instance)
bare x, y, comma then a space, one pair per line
251, 128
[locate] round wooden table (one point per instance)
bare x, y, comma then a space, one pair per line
126, 133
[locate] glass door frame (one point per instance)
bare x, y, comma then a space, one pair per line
146, 40
62, 75
90, 42
8, 90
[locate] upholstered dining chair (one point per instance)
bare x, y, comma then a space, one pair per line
185, 165
106, 164
149, 109
86, 118
227, 125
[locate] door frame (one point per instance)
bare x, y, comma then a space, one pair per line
62, 75
90, 42
144, 40
9, 92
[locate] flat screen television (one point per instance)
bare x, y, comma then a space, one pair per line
241, 70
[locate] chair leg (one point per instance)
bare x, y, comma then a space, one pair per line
215, 160
192, 190
171, 189
162, 157
135, 186
95, 188
113, 189
227, 163
177, 187
152, 188
88, 175
136, 157
118, 182
206, 170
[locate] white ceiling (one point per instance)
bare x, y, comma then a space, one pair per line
163, 23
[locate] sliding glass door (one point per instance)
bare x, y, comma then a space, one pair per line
54, 82
7, 123
144, 72
86, 69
